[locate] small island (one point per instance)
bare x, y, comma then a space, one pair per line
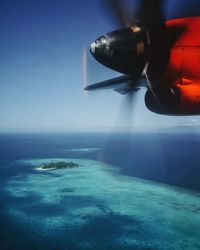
59, 165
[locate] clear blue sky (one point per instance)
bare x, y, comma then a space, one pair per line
41, 68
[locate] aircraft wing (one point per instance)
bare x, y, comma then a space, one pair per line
122, 84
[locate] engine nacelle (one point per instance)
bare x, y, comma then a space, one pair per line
176, 100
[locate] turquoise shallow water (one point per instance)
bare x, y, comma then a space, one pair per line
94, 206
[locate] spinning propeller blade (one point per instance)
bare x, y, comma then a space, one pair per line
117, 12
85, 69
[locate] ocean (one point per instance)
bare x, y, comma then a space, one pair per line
138, 191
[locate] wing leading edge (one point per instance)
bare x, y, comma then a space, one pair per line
122, 84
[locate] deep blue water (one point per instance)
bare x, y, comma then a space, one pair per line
102, 204
169, 158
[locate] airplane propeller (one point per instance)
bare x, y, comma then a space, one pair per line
148, 14
139, 49
85, 69
117, 12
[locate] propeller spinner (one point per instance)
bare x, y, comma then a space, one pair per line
123, 50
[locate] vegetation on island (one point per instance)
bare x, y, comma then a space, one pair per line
59, 165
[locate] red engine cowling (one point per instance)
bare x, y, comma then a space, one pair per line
182, 99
